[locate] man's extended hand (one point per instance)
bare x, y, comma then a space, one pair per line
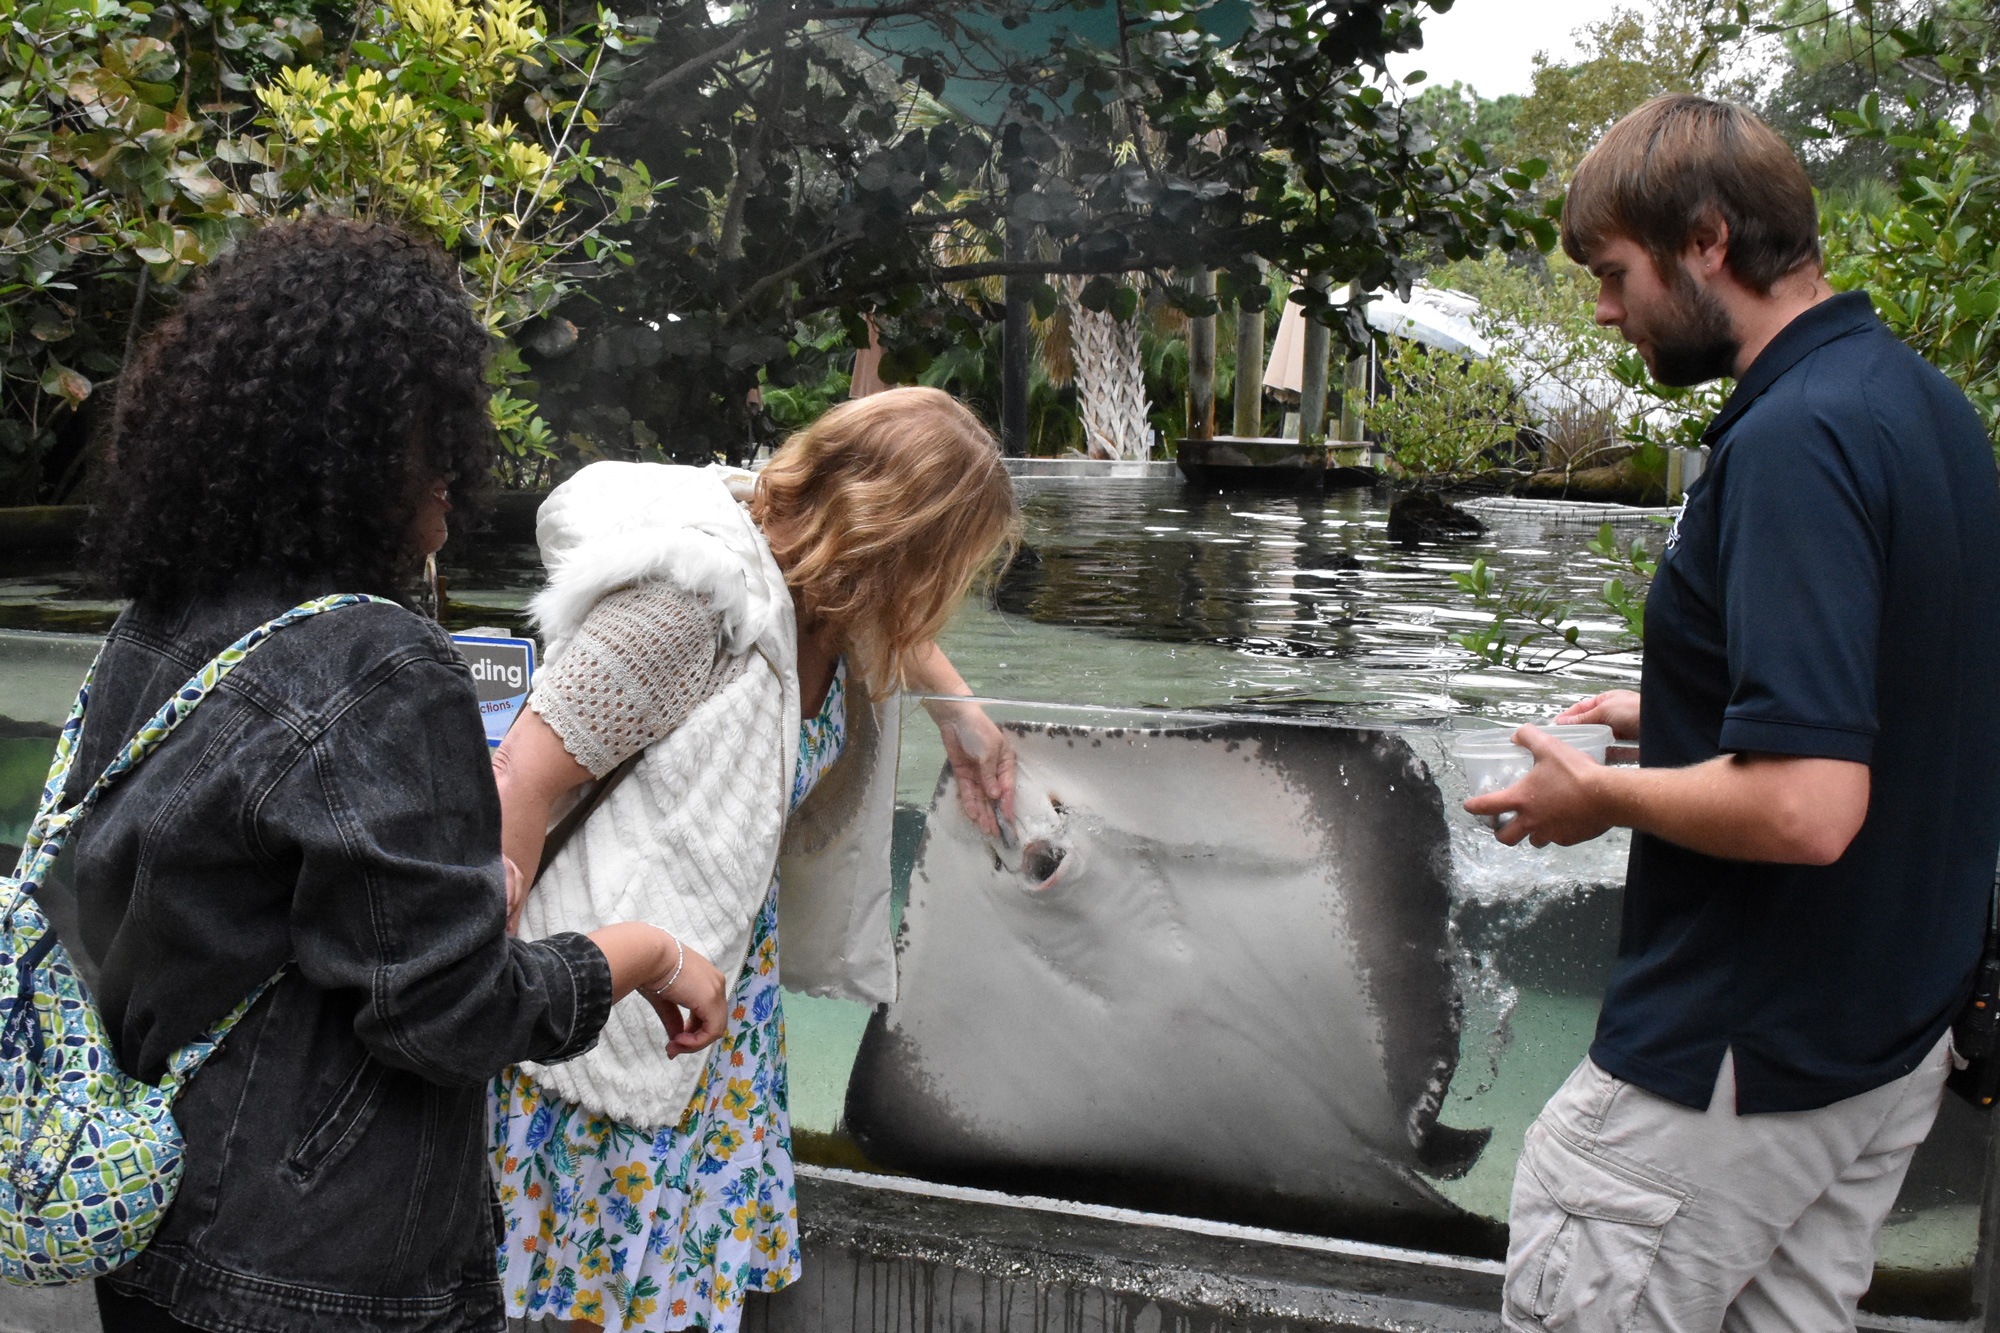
1616, 709
1560, 800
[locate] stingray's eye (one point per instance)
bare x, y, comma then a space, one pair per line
1040, 861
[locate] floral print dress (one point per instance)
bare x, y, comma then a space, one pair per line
660, 1230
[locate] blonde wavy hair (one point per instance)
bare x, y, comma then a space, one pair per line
883, 514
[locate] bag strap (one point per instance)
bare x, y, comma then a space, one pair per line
186, 1062
59, 765
53, 824
568, 826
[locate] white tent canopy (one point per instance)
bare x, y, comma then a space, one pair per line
1434, 316
1449, 321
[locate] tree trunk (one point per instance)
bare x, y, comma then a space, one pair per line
1110, 380
1249, 369
1201, 362
1312, 378
1014, 348
1353, 396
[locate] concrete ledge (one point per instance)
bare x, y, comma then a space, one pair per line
48, 1310
1563, 513
1077, 468
893, 1256
41, 529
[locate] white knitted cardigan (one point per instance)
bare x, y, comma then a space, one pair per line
689, 842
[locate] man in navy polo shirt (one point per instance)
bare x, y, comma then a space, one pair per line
1817, 812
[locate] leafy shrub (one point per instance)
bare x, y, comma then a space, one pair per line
1443, 415
137, 139
1932, 262
413, 130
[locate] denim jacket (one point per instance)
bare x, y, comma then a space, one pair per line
330, 810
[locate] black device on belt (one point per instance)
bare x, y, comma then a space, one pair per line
1975, 1036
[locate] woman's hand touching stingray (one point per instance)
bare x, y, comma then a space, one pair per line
982, 758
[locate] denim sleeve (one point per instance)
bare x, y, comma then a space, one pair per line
393, 823
1801, 572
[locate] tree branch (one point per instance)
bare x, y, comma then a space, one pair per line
1133, 120
752, 33
770, 280
1035, 268
999, 268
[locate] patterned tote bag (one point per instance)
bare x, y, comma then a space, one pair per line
89, 1158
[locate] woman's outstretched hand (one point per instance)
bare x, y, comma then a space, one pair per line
982, 759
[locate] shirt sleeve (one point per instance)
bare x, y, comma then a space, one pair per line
393, 823
640, 662
1801, 573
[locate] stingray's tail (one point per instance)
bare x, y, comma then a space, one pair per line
1449, 1153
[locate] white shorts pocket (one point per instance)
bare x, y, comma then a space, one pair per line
1584, 1231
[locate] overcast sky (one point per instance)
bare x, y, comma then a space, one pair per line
1491, 44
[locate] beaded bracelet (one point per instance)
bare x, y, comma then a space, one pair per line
679, 962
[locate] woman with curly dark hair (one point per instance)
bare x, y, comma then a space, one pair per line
299, 428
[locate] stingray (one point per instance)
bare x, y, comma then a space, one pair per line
1210, 973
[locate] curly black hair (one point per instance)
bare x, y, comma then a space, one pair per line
284, 421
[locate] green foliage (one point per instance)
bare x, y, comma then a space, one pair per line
110, 115
416, 129
1538, 318
131, 151
972, 373
818, 172
1535, 630
1456, 112
1443, 416
1833, 53
1627, 58
1932, 262
1676, 417
792, 408
812, 179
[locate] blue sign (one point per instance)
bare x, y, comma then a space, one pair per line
503, 671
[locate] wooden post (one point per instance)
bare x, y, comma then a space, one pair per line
1249, 368
1201, 362
1312, 378
1353, 397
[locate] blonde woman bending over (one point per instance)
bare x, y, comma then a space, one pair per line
724, 652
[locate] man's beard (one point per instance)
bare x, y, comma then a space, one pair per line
1694, 343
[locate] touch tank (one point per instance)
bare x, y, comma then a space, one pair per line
1316, 1020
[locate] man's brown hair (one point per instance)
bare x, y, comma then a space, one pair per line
1679, 161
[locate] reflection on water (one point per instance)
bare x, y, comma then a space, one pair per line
1300, 600
1140, 593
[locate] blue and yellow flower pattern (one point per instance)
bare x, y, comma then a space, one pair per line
668, 1230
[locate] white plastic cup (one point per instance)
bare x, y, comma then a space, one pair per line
1491, 760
